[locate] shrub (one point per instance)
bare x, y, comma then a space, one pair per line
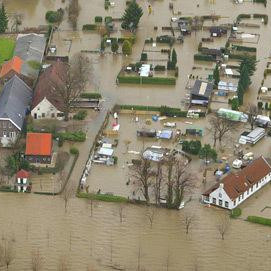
80, 115
115, 158
74, 151
201, 57
126, 48
87, 27
54, 16
98, 19
114, 46
192, 147
235, 104
144, 57
34, 64
130, 39
160, 68
260, 105
90, 95
236, 212
77, 136
259, 220
176, 74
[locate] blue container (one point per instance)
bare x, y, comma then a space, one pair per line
154, 118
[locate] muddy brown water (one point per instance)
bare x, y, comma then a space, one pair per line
97, 239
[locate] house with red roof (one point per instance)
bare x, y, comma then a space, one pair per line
236, 187
22, 181
14, 67
39, 148
46, 103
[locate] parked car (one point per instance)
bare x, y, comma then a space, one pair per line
237, 163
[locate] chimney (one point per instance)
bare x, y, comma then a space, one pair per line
221, 185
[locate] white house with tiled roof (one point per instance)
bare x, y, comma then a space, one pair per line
235, 188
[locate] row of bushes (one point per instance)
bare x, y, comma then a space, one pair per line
239, 56
146, 80
102, 197
164, 110
77, 136
87, 27
261, 1
160, 68
255, 15
90, 95
259, 220
244, 48
202, 57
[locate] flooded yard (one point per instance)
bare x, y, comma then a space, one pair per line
106, 236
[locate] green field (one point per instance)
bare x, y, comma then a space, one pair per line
6, 49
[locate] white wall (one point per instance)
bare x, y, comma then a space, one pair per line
46, 108
220, 193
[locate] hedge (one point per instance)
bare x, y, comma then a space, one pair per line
146, 80
98, 19
165, 39
263, 16
77, 136
241, 56
201, 57
259, 220
243, 16
74, 151
87, 27
244, 48
160, 68
90, 95
236, 212
101, 197
139, 107
144, 57
261, 2
130, 39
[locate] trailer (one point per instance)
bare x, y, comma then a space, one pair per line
252, 137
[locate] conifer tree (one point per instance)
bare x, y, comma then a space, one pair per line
3, 19
216, 75
131, 16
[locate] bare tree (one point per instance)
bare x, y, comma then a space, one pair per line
220, 127
121, 208
158, 182
7, 253
67, 194
252, 111
141, 174
150, 213
36, 263
178, 180
63, 264
70, 81
188, 221
223, 225
73, 13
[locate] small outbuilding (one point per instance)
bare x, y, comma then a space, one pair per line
201, 93
22, 181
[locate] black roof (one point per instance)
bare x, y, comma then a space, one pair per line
202, 88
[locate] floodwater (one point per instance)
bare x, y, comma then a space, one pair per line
93, 237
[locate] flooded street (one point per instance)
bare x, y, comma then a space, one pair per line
91, 236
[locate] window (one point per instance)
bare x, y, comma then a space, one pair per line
220, 202
256, 185
9, 125
247, 191
214, 200
220, 195
53, 115
243, 196
239, 198
251, 188
43, 115
4, 133
226, 204
234, 203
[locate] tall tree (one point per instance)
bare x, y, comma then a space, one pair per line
3, 19
250, 63
70, 82
131, 16
216, 75
240, 93
174, 57
245, 77
126, 47
141, 174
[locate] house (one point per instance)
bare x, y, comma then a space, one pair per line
155, 153
45, 103
22, 181
39, 148
30, 48
201, 93
146, 133
217, 31
215, 53
235, 188
15, 100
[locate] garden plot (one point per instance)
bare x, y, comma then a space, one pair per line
115, 179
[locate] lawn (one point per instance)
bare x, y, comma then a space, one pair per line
6, 49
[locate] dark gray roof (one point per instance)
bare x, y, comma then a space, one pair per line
30, 47
202, 88
15, 99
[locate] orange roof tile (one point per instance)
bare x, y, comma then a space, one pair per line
14, 64
22, 174
38, 144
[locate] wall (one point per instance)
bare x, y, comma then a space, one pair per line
6, 128
46, 108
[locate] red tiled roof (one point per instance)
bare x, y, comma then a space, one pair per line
45, 85
14, 64
38, 144
236, 184
22, 174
